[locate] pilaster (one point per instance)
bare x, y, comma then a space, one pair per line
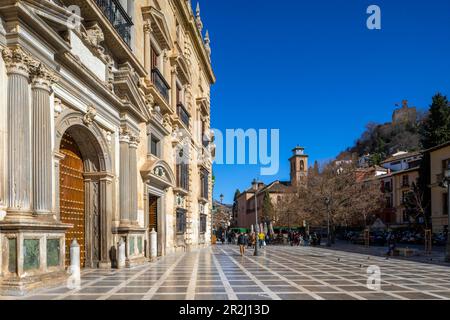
173, 86
18, 64
133, 196
41, 81
147, 45
124, 141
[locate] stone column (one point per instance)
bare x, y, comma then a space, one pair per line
18, 65
173, 88
134, 142
41, 82
147, 46
57, 206
124, 180
106, 184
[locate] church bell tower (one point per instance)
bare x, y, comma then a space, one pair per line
299, 166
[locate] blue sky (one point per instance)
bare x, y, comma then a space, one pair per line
313, 70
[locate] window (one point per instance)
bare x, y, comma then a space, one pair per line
182, 173
181, 221
203, 223
204, 185
445, 204
388, 202
445, 165
404, 195
154, 146
405, 181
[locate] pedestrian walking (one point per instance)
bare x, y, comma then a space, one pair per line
391, 244
261, 239
241, 243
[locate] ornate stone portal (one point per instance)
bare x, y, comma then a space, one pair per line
32, 242
84, 85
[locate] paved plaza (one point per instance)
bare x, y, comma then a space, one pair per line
286, 273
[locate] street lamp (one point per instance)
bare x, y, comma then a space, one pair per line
327, 202
255, 187
447, 180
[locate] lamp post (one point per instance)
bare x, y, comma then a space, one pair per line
327, 202
255, 187
447, 182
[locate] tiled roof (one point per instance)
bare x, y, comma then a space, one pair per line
402, 156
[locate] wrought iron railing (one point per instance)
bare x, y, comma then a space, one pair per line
118, 17
160, 83
183, 114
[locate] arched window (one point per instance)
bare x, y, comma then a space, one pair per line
302, 165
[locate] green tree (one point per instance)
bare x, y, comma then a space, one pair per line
235, 203
435, 129
268, 209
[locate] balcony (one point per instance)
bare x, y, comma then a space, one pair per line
118, 17
183, 114
160, 84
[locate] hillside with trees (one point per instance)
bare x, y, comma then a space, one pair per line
404, 133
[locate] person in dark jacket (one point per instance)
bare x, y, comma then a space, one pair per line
391, 244
241, 243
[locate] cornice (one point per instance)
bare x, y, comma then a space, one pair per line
189, 22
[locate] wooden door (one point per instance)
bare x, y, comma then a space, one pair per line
153, 213
72, 200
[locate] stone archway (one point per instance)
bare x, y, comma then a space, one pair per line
158, 178
90, 155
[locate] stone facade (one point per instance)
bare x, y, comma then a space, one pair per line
439, 159
395, 186
127, 103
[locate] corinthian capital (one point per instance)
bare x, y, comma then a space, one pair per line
124, 134
134, 140
147, 26
42, 77
17, 61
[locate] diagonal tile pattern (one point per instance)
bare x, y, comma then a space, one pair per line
279, 273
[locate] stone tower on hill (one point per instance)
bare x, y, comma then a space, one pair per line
405, 114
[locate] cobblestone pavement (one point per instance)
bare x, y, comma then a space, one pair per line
292, 273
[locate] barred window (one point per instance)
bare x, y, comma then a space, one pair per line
183, 176
181, 221
204, 184
203, 223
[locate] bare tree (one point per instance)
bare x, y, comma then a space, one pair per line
335, 194
416, 204
367, 201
